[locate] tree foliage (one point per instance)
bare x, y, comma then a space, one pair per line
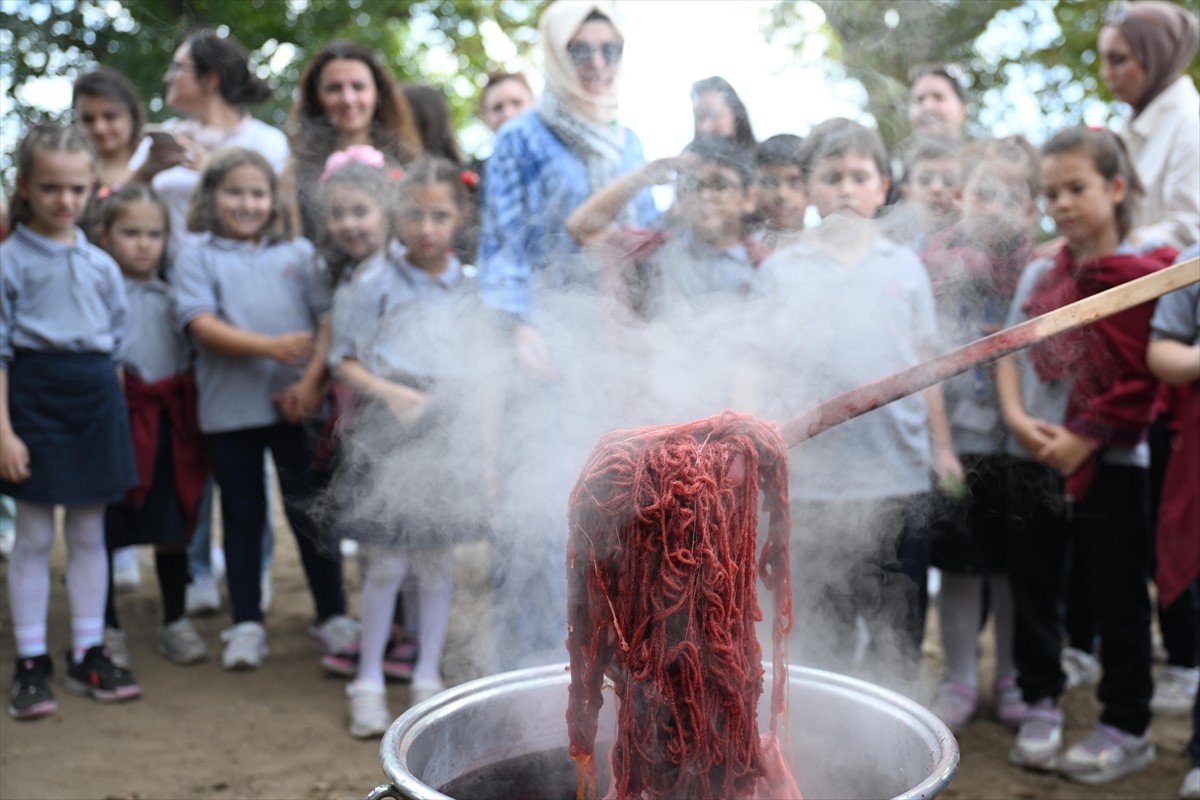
441, 42
1050, 45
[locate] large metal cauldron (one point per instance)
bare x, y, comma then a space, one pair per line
505, 737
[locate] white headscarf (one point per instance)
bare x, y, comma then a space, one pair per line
558, 25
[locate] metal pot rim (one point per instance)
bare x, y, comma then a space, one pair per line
393, 748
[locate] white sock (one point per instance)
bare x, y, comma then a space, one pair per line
435, 582
383, 573
29, 577
87, 576
1004, 614
960, 604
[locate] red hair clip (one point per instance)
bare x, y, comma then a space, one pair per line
469, 179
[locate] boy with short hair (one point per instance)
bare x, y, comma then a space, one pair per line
782, 192
703, 249
930, 190
846, 307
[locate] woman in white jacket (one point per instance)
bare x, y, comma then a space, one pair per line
1144, 48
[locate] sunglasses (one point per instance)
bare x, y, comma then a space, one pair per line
582, 53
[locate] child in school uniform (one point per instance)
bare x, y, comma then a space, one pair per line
160, 391
253, 299
701, 251
64, 433
360, 191
407, 345
1173, 355
847, 306
929, 189
974, 267
782, 193
1078, 407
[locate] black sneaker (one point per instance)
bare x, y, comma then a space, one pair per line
31, 696
99, 678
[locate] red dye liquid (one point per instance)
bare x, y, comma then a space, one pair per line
662, 564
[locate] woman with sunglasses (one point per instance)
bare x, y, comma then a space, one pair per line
545, 163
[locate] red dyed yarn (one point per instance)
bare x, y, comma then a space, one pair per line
661, 567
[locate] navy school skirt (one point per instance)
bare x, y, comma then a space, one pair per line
69, 411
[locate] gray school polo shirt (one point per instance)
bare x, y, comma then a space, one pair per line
264, 288
158, 347
1177, 315
832, 328
407, 323
55, 297
1048, 401
965, 313
688, 272
354, 314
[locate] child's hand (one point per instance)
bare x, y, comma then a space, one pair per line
1065, 451
532, 353
407, 404
292, 349
949, 470
300, 401
14, 458
1033, 434
662, 171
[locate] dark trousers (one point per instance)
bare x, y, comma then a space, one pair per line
1108, 529
868, 559
237, 465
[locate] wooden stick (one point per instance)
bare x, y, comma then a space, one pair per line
848, 405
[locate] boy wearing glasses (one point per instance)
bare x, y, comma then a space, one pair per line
700, 254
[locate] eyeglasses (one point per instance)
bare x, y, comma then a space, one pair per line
582, 53
180, 66
716, 185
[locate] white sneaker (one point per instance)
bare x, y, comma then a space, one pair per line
1107, 754
127, 573
1040, 737
1082, 668
369, 715
118, 647
245, 646
1190, 788
420, 691
1175, 690
338, 634
181, 643
202, 596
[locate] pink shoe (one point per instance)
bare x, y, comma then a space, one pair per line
1010, 705
955, 704
400, 658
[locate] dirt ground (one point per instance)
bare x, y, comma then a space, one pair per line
279, 732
